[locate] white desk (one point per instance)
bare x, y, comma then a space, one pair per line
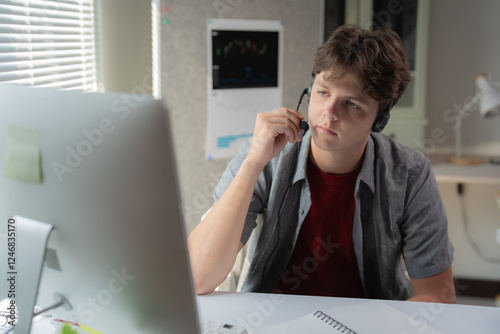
256, 310
482, 173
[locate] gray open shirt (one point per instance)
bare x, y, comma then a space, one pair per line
399, 221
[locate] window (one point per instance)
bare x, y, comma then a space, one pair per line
156, 47
48, 43
334, 16
410, 19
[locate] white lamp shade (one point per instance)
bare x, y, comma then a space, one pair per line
489, 98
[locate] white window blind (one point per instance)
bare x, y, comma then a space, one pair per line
156, 46
48, 43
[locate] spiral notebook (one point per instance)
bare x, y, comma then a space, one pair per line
371, 317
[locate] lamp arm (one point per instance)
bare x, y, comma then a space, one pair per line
458, 123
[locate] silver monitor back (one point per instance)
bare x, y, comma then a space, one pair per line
109, 187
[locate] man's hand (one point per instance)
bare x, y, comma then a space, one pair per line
273, 129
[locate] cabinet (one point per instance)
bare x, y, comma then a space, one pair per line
410, 19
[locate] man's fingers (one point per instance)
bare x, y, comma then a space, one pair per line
285, 119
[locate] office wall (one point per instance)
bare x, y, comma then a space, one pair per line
463, 43
184, 79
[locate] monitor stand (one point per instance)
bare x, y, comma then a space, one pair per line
29, 252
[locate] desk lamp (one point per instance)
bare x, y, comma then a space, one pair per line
489, 105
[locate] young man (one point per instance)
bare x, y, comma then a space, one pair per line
346, 211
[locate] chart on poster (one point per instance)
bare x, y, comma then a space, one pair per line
245, 77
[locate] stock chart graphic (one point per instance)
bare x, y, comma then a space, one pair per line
244, 59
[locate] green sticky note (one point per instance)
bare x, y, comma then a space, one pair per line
67, 329
22, 155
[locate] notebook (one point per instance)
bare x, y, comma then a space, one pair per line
371, 317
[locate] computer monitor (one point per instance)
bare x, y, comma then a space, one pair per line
100, 169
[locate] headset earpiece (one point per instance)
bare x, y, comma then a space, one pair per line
383, 118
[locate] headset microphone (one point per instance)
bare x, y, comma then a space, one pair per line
303, 124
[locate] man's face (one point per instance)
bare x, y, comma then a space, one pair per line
340, 114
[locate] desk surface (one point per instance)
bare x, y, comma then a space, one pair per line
257, 310
481, 173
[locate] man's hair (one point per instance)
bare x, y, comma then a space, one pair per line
376, 58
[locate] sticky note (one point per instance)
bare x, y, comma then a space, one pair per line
22, 155
90, 330
67, 329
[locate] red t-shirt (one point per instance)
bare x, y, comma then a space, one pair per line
323, 262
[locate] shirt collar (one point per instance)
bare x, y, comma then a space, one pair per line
365, 174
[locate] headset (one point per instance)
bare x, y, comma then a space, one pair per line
379, 124
383, 118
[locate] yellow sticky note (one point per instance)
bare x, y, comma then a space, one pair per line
90, 330
22, 155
